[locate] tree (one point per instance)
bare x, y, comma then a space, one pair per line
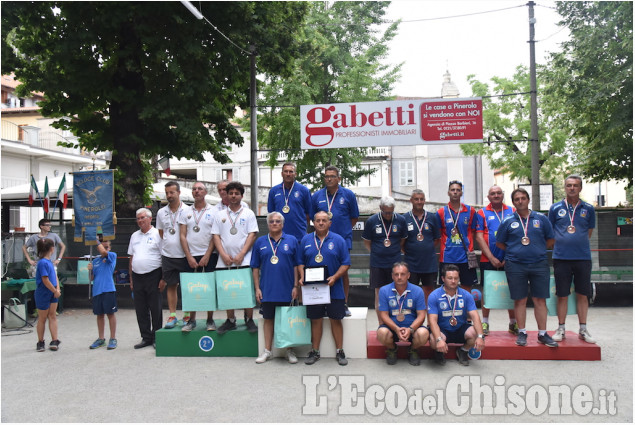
146, 78
342, 49
507, 128
592, 80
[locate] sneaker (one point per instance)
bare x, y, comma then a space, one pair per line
585, 336
347, 312
547, 340
559, 335
189, 326
171, 322
464, 360
439, 358
40, 346
291, 357
112, 344
211, 325
522, 339
266, 355
485, 328
513, 328
226, 327
313, 357
413, 357
186, 318
341, 358
251, 325
99, 342
391, 356
54, 345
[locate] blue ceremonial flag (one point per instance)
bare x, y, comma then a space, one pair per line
93, 194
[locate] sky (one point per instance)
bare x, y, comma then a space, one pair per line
487, 45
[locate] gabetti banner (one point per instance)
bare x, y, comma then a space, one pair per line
392, 123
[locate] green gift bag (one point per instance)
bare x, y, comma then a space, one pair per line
552, 301
496, 291
292, 328
235, 289
83, 274
198, 291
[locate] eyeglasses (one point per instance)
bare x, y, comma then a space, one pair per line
275, 221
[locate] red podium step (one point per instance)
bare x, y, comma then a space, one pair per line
501, 345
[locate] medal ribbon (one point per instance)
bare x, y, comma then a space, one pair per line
233, 223
425, 214
387, 232
500, 219
524, 226
173, 216
196, 220
456, 297
286, 197
319, 248
571, 216
455, 220
330, 204
401, 300
275, 251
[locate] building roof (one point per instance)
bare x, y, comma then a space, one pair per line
9, 81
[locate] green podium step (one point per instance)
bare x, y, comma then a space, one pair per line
201, 343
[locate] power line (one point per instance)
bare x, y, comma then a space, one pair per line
459, 16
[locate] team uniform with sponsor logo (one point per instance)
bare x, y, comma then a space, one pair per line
452, 249
487, 222
173, 260
401, 309
384, 254
104, 293
233, 229
447, 307
198, 232
419, 251
342, 206
297, 201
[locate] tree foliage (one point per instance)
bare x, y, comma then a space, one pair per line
507, 128
592, 80
146, 78
340, 61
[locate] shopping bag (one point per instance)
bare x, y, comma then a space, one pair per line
198, 291
291, 328
235, 289
496, 291
83, 274
14, 314
552, 301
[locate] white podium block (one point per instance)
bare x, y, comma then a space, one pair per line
355, 337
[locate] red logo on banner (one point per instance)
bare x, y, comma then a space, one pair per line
452, 120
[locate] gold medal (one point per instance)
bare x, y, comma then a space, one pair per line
319, 258
286, 209
330, 214
386, 243
453, 321
274, 260
524, 240
420, 237
571, 229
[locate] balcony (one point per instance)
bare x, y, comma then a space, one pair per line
44, 138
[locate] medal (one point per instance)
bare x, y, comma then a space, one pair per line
319, 258
401, 317
330, 214
524, 240
286, 209
387, 232
386, 243
453, 321
233, 230
173, 218
196, 229
286, 197
330, 204
571, 229
454, 231
274, 260
172, 231
419, 237
419, 228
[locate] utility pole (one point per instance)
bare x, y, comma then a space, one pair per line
535, 143
254, 131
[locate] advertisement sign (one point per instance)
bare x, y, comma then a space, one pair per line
391, 123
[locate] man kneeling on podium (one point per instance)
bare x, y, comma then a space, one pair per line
402, 311
448, 310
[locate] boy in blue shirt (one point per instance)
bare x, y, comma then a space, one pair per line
104, 294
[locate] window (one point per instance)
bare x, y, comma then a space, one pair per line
406, 173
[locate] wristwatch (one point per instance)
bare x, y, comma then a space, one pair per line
481, 336
439, 339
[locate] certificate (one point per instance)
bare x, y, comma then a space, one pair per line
316, 293
315, 274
